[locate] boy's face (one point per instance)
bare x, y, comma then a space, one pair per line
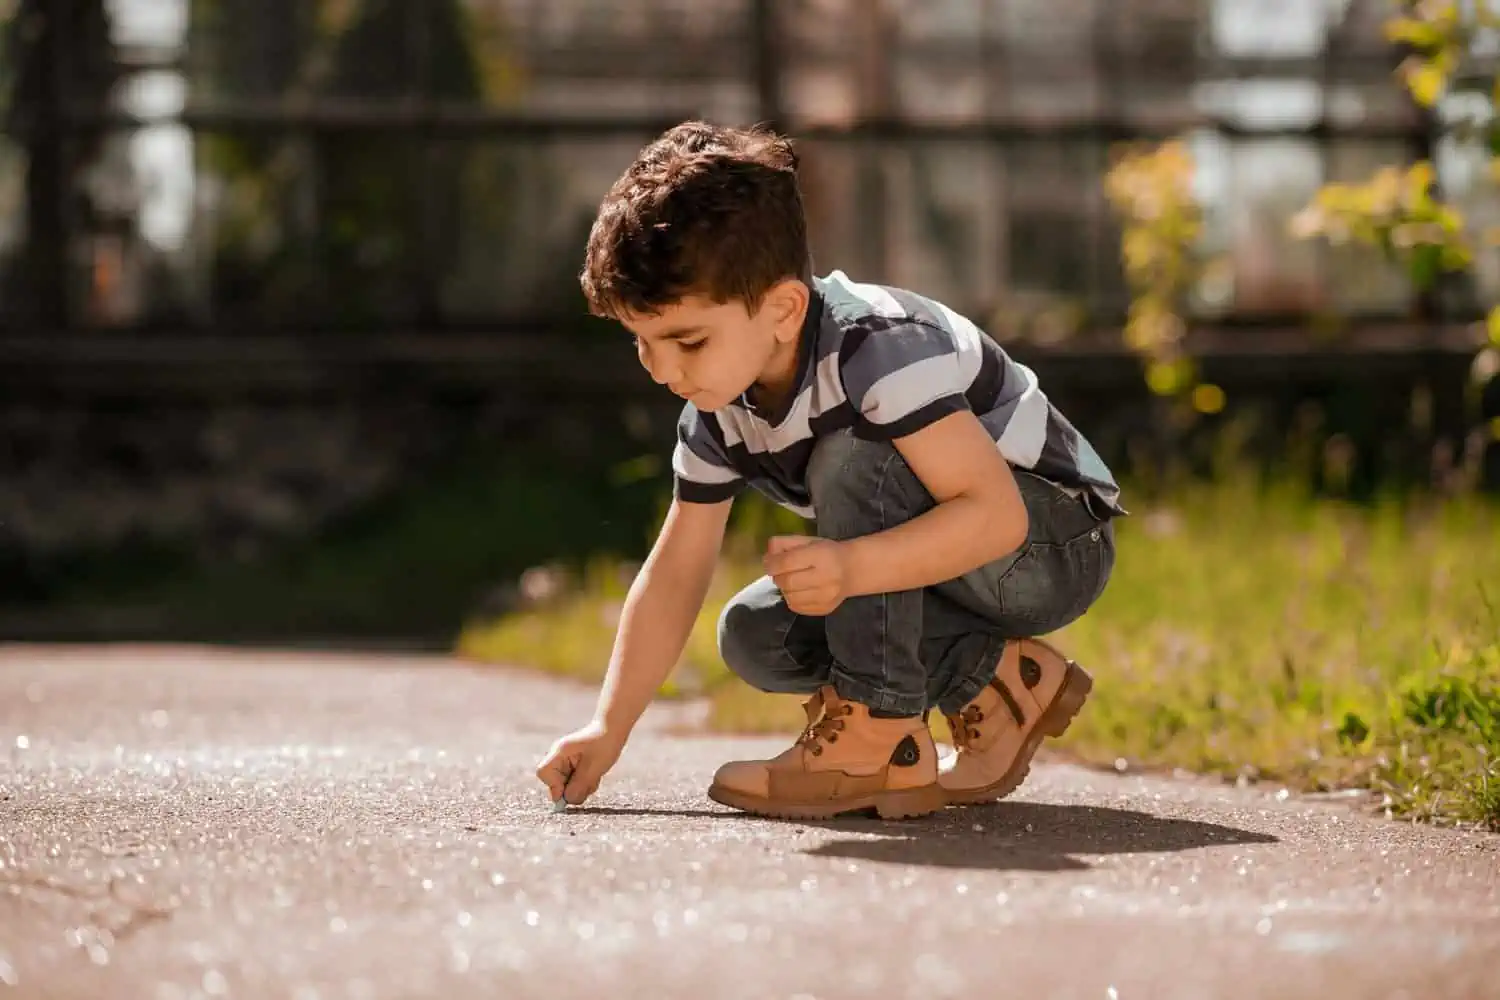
710, 353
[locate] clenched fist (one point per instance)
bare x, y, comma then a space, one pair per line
809, 572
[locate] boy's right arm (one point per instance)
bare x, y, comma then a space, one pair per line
659, 612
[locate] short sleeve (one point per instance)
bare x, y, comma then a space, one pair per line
903, 377
701, 469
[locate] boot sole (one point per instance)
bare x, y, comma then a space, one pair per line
1054, 722
907, 803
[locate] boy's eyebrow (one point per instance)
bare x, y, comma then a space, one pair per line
677, 333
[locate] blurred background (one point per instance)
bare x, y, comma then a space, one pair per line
292, 348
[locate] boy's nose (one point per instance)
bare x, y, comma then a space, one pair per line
664, 372
661, 369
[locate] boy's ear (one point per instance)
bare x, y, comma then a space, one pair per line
787, 302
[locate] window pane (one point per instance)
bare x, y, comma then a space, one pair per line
510, 242
843, 188
938, 59
1268, 182
1010, 233
1464, 165
1051, 203
1156, 46
1277, 103
1249, 190
586, 58
828, 58
1361, 280
1284, 28
1047, 64
1362, 66
928, 216
946, 217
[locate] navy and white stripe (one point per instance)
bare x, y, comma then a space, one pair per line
886, 362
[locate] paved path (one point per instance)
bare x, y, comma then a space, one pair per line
179, 822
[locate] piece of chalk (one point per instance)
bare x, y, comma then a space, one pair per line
560, 805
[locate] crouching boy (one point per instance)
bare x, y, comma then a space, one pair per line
959, 515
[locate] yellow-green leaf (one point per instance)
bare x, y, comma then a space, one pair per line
1167, 378
1426, 82
1419, 182
1413, 32
1208, 398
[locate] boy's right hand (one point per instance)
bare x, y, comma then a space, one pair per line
576, 763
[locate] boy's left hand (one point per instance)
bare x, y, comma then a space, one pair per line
808, 571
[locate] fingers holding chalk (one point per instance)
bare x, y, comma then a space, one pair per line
560, 804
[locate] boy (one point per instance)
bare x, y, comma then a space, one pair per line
957, 512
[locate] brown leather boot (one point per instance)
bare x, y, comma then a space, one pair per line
844, 761
1035, 693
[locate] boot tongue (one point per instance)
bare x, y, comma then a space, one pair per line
832, 703
825, 701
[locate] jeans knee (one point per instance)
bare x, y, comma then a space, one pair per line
759, 641
741, 639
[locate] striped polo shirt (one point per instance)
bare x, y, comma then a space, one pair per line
886, 362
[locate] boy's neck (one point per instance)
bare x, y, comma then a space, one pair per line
779, 379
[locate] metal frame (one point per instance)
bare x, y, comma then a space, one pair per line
765, 32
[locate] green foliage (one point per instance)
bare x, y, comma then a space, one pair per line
572, 632
1397, 210
1150, 189
1438, 33
1442, 755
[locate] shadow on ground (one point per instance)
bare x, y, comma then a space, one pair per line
1025, 836
1006, 836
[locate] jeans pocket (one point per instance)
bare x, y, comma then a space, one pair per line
1052, 584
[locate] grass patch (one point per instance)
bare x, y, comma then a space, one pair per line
571, 634
1249, 630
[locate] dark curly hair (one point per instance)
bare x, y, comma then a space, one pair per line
703, 210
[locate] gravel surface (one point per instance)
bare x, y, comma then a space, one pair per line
188, 822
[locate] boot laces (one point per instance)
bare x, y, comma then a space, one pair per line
824, 723
962, 724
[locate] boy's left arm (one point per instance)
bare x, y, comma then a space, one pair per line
979, 518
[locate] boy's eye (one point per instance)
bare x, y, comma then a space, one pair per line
693, 345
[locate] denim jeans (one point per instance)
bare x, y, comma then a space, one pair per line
908, 651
